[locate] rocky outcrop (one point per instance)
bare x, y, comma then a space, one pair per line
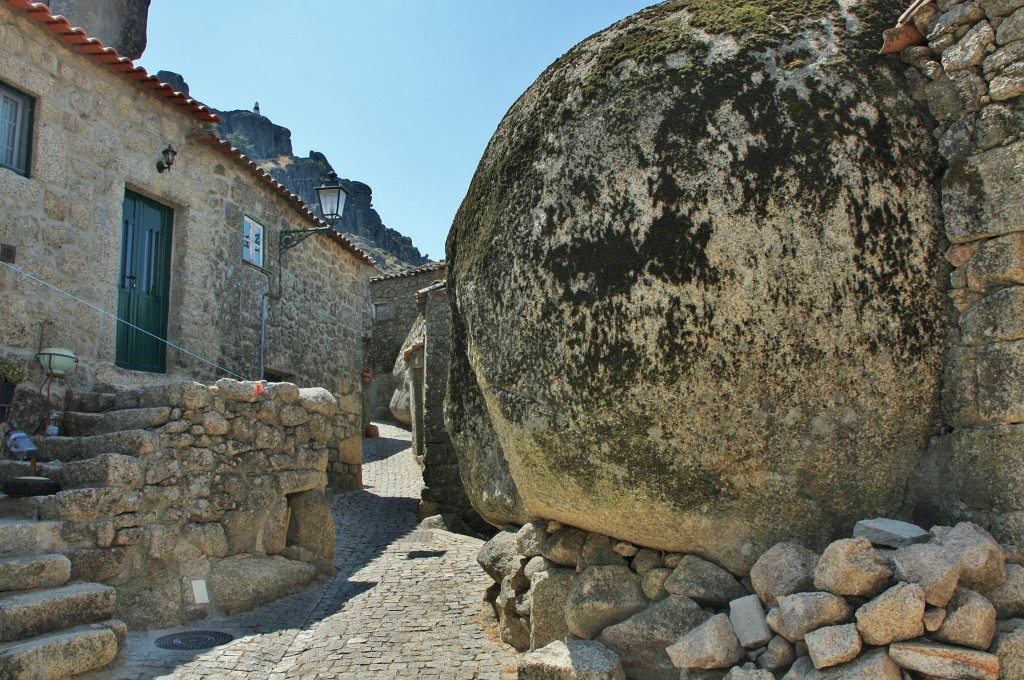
697, 283
270, 145
120, 24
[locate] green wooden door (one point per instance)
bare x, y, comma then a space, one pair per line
145, 279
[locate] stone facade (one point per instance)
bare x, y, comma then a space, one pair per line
443, 491
971, 75
398, 293
301, 316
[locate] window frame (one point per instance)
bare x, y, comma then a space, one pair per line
378, 307
248, 250
23, 129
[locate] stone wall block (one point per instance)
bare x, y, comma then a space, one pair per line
268, 438
294, 481
1005, 87
979, 195
310, 524
962, 14
351, 451
318, 400
285, 393
990, 469
272, 534
1012, 28
233, 390
998, 317
999, 8
1000, 390
291, 415
208, 537
215, 423
971, 49
997, 261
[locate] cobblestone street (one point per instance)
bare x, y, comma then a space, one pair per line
404, 603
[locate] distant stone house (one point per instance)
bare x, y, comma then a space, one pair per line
188, 254
394, 311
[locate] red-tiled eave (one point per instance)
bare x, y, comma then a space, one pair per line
226, 149
415, 271
110, 58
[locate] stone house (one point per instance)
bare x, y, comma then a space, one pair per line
189, 254
395, 310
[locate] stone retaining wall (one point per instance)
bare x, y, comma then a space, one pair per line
971, 75
223, 485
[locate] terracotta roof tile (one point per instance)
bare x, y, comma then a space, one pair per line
124, 66
415, 271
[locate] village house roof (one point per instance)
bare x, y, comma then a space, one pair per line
109, 57
415, 271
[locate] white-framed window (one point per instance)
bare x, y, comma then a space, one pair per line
252, 241
15, 129
380, 312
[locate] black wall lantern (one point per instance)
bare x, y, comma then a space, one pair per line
167, 161
332, 197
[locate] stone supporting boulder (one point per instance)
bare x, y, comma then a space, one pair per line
718, 305
807, 635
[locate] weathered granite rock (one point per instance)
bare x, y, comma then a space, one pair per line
803, 612
739, 673
970, 621
778, 655
1008, 599
852, 567
598, 550
513, 626
573, 660
244, 582
564, 546
654, 583
645, 560
601, 596
945, 661
892, 533
931, 567
713, 644
549, 591
641, 640
833, 645
499, 556
120, 24
530, 538
897, 614
703, 581
310, 523
42, 571
803, 669
784, 569
645, 166
982, 563
934, 618
748, 621
1009, 649
401, 401
874, 665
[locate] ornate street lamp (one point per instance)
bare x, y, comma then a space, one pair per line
332, 197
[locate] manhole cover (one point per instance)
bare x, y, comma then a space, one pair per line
193, 639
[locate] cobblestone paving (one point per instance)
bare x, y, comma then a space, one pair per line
404, 603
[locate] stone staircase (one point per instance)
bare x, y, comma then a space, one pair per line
54, 622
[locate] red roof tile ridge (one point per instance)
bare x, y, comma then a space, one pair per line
225, 148
75, 37
415, 271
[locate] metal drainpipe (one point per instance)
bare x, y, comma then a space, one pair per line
263, 331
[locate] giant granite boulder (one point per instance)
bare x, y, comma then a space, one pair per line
697, 283
120, 24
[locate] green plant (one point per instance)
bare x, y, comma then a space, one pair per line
13, 371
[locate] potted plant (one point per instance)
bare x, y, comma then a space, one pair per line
12, 373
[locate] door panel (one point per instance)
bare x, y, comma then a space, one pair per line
144, 283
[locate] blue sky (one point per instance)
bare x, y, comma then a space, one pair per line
400, 94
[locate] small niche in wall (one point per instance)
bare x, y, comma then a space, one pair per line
8, 253
276, 376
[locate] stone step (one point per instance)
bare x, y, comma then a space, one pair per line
64, 653
34, 571
106, 469
20, 537
67, 449
16, 468
90, 402
76, 424
88, 503
36, 612
18, 508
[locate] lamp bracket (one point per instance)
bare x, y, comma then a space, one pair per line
292, 237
